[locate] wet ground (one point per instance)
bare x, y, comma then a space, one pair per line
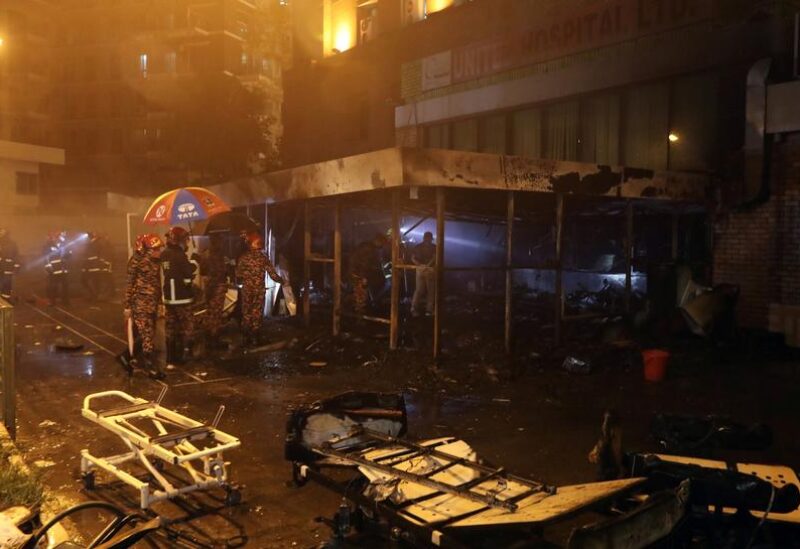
529, 416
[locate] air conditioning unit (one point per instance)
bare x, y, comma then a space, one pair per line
413, 11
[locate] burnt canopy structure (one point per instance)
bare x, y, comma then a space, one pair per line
508, 228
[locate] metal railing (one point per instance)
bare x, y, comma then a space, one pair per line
7, 367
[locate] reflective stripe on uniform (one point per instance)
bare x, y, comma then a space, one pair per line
179, 301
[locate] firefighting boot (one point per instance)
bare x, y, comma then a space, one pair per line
126, 360
152, 368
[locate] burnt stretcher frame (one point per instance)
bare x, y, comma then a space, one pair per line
325, 462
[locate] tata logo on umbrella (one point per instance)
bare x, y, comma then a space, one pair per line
187, 210
160, 211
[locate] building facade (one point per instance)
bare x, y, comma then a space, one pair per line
27, 137
671, 85
25, 69
120, 68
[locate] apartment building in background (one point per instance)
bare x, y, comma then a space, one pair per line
28, 141
691, 86
118, 64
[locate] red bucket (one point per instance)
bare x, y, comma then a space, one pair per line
655, 364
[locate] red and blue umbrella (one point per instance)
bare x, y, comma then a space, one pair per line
184, 205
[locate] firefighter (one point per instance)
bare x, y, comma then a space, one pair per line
96, 275
424, 257
139, 250
366, 271
178, 274
250, 270
216, 287
57, 265
9, 254
142, 298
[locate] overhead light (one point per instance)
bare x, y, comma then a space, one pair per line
673, 137
2, 40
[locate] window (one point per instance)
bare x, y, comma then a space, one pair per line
27, 183
143, 65
561, 131
527, 133
464, 135
437, 136
432, 6
693, 122
665, 125
367, 17
646, 118
599, 137
493, 134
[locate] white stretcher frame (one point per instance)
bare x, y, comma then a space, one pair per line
206, 467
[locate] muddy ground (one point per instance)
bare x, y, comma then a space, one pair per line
526, 414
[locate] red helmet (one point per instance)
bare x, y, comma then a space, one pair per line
254, 241
139, 244
177, 236
151, 242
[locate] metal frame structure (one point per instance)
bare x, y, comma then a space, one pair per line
398, 266
205, 467
399, 169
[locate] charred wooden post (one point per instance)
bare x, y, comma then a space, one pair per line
559, 285
439, 285
394, 315
306, 262
629, 244
509, 270
337, 268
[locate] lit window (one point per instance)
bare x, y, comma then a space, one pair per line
432, 6
143, 64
